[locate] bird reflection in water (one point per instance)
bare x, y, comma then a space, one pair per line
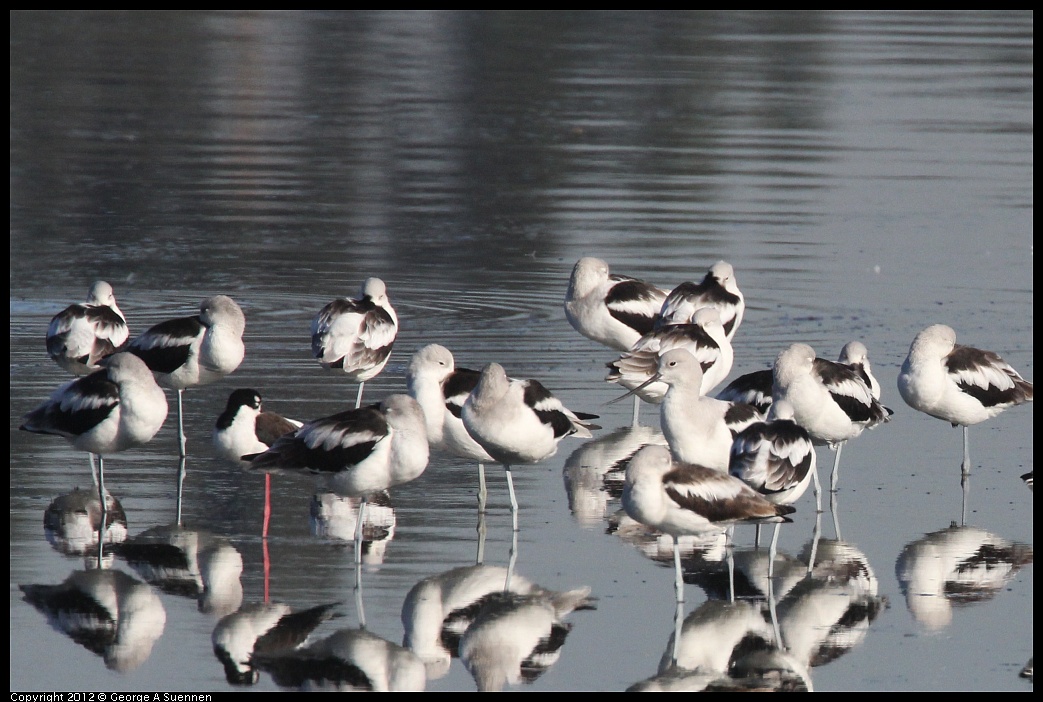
107, 612
954, 567
439, 609
189, 563
263, 628
346, 661
516, 638
335, 517
71, 523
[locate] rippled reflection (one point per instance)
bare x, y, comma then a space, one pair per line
955, 567
190, 563
106, 611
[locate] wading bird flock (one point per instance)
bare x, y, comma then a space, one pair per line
745, 455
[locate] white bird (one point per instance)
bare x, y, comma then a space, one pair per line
82, 334
611, 309
776, 457
681, 498
718, 289
190, 351
246, 428
106, 611
704, 337
755, 387
362, 451
262, 628
829, 399
441, 388
347, 660
515, 638
519, 422
111, 410
698, 429
356, 336
855, 356
959, 384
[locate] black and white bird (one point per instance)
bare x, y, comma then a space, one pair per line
246, 428
519, 422
612, 309
776, 457
111, 410
829, 399
698, 429
263, 628
959, 384
441, 388
82, 334
681, 499
717, 289
361, 451
356, 336
197, 350
704, 337
755, 387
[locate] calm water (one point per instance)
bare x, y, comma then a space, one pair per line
866, 174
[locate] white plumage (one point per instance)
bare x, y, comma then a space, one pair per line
356, 336
959, 384
611, 309
82, 334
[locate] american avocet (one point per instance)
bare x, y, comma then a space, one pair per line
704, 338
362, 451
717, 289
959, 384
111, 410
245, 428
611, 309
518, 422
829, 399
82, 334
515, 638
755, 387
855, 356
263, 628
108, 612
698, 429
356, 336
190, 351
776, 457
348, 660
681, 498
441, 388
